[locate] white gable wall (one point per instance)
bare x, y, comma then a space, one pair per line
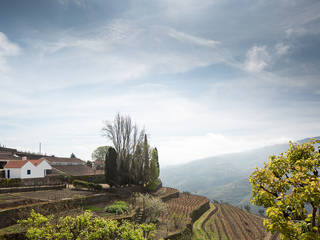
14, 172
35, 172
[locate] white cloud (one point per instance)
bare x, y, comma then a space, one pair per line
7, 49
281, 49
258, 59
193, 39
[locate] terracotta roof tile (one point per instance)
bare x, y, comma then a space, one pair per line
21, 163
36, 162
15, 163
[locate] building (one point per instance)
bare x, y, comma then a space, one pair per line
69, 166
26, 168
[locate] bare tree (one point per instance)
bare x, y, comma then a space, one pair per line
125, 136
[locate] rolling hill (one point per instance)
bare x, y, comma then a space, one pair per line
222, 178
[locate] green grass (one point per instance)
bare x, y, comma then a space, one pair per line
10, 229
198, 232
93, 208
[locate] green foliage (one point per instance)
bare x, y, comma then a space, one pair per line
289, 187
154, 165
153, 207
118, 207
84, 184
100, 153
146, 160
10, 182
111, 166
153, 186
177, 220
83, 227
131, 160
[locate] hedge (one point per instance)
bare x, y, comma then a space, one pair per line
10, 182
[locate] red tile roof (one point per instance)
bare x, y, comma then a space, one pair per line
36, 162
15, 163
21, 163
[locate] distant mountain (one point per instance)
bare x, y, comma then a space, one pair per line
223, 178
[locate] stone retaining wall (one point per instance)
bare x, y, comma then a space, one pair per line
10, 216
32, 188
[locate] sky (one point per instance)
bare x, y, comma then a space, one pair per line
204, 77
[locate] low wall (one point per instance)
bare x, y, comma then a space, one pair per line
11, 215
169, 196
47, 180
31, 188
98, 178
197, 213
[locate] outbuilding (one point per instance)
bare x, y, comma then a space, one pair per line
27, 168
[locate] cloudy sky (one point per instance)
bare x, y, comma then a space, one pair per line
204, 77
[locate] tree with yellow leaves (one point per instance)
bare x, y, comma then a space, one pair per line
289, 187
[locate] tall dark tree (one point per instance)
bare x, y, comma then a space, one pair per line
111, 167
125, 137
146, 160
154, 165
72, 155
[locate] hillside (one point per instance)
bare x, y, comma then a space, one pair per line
223, 178
220, 177
223, 221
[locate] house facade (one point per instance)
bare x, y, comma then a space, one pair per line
27, 168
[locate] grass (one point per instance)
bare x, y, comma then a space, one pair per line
94, 208
198, 232
11, 229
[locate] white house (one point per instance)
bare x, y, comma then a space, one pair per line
26, 168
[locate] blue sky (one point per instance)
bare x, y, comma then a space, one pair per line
203, 77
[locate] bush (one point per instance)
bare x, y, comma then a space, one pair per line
154, 185
118, 207
84, 226
153, 206
177, 220
10, 182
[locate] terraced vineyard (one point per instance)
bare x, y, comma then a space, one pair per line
225, 222
184, 205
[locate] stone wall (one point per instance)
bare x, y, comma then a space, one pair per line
47, 180
31, 188
10, 216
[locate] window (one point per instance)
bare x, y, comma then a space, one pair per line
28, 172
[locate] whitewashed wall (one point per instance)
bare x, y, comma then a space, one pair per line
14, 172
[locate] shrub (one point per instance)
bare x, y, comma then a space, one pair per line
153, 206
84, 227
177, 220
154, 185
10, 182
118, 207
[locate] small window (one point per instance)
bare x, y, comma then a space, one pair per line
28, 172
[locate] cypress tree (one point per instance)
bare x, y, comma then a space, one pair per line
111, 166
154, 171
146, 160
